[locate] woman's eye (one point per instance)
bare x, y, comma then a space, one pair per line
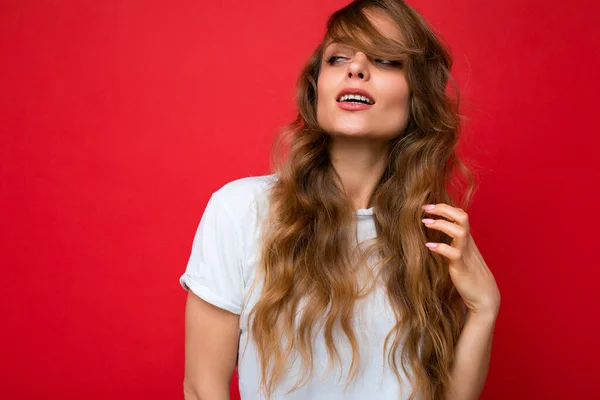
389, 62
333, 59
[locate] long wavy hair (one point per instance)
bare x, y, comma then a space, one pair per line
308, 261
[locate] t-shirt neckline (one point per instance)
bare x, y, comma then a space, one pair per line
364, 211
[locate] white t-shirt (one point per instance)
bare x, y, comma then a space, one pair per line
220, 271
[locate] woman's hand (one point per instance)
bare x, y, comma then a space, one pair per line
469, 273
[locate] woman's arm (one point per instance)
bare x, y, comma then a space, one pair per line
477, 287
472, 358
211, 344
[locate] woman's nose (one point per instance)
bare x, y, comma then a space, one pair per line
358, 67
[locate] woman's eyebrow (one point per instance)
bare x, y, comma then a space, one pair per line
330, 46
338, 47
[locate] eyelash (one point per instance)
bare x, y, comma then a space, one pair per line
332, 60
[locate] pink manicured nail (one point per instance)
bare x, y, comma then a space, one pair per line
428, 221
430, 206
432, 245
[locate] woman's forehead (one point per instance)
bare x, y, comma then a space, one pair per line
331, 44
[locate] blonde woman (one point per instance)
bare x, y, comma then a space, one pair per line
348, 272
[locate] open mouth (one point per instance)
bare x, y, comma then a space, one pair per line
355, 98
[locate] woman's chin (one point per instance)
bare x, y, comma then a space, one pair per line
353, 130
353, 134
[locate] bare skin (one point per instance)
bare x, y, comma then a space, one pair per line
212, 334
211, 344
358, 149
358, 153
360, 138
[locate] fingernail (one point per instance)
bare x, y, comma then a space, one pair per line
428, 221
432, 245
430, 206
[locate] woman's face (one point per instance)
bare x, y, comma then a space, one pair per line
384, 81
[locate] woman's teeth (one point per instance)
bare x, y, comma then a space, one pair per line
355, 98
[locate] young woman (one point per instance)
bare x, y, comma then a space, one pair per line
348, 273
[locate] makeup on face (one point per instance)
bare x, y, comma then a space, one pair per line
354, 99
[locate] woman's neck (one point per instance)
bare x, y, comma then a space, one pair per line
360, 163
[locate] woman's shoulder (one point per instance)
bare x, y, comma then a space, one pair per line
241, 188
245, 197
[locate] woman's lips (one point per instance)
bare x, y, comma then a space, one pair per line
351, 106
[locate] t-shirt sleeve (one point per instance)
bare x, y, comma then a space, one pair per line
213, 270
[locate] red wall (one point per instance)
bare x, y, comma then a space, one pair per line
119, 118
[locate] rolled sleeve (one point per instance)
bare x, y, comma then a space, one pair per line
213, 270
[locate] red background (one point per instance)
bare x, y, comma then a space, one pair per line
119, 118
